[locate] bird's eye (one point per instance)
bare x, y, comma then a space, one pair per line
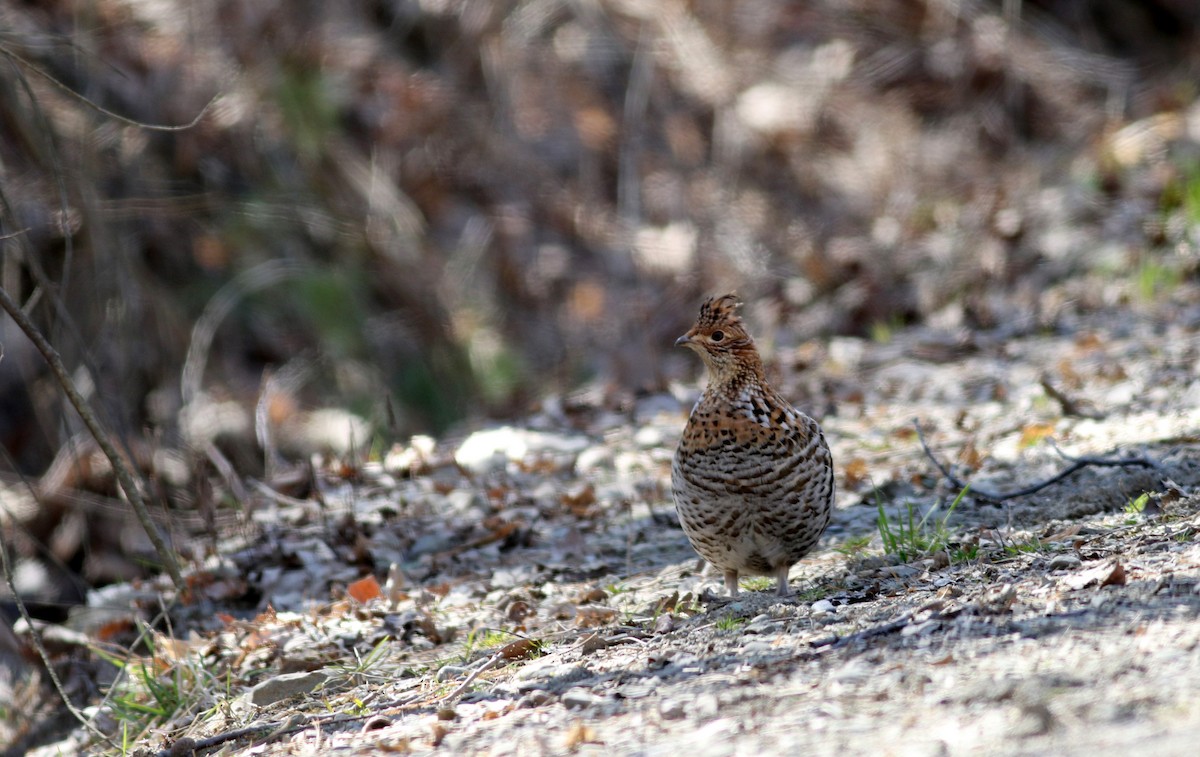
717, 336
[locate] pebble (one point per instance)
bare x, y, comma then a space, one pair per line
284, 686
579, 697
761, 624
552, 677
671, 709
901, 571
534, 699
1064, 562
449, 673
707, 705
648, 437
593, 459
822, 607
758, 648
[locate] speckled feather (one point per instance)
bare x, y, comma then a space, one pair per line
752, 477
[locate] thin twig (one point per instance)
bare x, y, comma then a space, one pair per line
1077, 463
882, 629
278, 728
35, 635
124, 477
30, 66
491, 663
1069, 405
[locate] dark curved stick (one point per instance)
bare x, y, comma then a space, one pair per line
1077, 463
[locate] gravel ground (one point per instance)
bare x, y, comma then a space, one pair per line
536, 596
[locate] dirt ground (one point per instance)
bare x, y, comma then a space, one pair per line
537, 597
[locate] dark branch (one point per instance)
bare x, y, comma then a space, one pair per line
1077, 463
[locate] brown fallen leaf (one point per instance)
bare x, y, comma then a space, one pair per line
1116, 577
855, 473
1106, 574
437, 734
1034, 433
579, 500
590, 617
364, 590
1065, 533
580, 734
515, 650
594, 594
970, 455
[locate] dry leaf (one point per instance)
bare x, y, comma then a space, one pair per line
855, 472
115, 628
439, 732
1089, 340
579, 500
1035, 432
516, 650
1107, 574
970, 456
1070, 377
364, 589
590, 617
594, 594
1066, 533
580, 734
1116, 576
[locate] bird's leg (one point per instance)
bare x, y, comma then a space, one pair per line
731, 582
781, 579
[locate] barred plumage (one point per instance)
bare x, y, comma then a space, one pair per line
752, 477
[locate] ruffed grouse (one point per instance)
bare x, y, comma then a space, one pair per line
752, 477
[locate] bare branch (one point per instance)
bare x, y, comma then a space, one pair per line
124, 477
1077, 463
100, 108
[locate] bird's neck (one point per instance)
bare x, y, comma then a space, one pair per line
734, 381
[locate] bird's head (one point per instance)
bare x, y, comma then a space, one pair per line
720, 339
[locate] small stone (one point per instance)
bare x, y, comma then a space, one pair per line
1064, 562
901, 571
647, 437
670, 709
707, 705
281, 687
920, 629
449, 672
460, 501
822, 607
761, 624
534, 699
593, 459
753, 649
579, 697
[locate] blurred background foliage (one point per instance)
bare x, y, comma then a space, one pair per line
434, 211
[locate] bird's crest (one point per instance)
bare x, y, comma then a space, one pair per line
720, 309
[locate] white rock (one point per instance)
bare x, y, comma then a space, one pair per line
822, 607
488, 450
647, 437
592, 459
283, 686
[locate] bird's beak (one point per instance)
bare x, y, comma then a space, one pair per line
683, 341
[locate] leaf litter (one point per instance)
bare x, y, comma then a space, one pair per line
546, 601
